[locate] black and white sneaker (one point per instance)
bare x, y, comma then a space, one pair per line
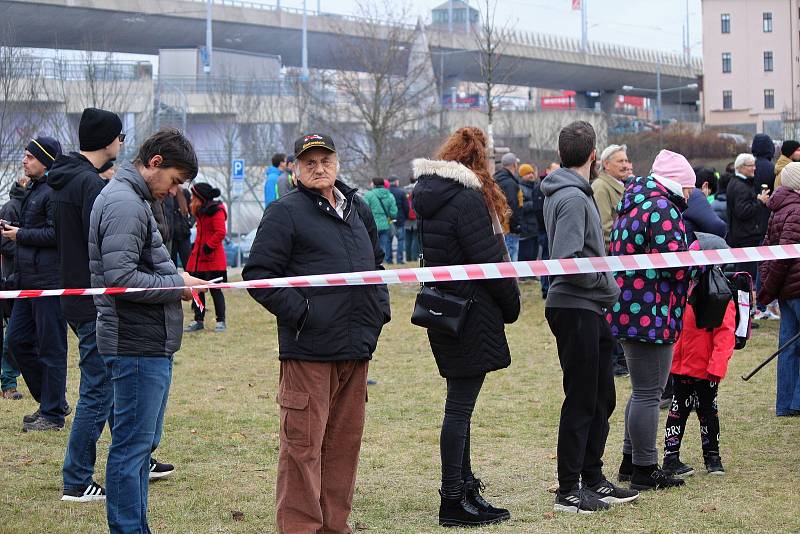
92, 492
611, 494
673, 466
579, 501
159, 470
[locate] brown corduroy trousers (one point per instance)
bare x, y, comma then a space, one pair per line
322, 409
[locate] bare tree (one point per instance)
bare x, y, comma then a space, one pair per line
381, 100
20, 106
491, 41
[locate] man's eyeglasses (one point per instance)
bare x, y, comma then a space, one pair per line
121, 137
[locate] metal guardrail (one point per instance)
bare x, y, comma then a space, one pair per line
203, 84
78, 70
539, 40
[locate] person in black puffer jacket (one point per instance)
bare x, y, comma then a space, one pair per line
37, 334
460, 209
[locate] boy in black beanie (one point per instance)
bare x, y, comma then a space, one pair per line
76, 183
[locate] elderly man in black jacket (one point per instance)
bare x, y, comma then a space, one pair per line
37, 335
326, 336
507, 180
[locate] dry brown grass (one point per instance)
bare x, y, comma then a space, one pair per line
221, 432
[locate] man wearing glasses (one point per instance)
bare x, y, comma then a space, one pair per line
746, 209
326, 336
76, 182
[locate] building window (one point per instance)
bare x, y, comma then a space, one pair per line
767, 22
726, 62
726, 23
769, 98
768, 61
727, 99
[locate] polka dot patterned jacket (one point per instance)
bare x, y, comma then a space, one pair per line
651, 304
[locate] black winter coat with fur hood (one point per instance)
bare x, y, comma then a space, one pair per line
456, 229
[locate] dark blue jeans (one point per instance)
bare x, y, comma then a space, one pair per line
8, 368
787, 400
412, 244
544, 280
141, 388
400, 232
385, 241
37, 337
91, 413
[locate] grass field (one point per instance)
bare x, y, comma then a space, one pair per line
221, 431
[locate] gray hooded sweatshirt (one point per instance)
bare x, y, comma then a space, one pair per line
574, 230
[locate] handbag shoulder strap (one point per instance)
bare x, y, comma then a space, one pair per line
383, 207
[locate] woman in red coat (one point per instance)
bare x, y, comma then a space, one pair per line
207, 260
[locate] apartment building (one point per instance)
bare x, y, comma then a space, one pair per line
751, 66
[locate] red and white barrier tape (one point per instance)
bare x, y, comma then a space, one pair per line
484, 271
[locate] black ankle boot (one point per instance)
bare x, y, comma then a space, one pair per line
459, 512
651, 477
625, 468
473, 488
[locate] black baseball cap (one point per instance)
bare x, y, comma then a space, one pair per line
313, 140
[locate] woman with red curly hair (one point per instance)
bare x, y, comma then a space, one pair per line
461, 211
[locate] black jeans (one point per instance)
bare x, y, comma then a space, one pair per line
585, 345
216, 295
700, 395
181, 248
462, 393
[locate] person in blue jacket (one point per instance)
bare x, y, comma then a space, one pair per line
272, 173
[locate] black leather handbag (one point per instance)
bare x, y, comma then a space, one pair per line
437, 310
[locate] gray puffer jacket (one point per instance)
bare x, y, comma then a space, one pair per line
126, 250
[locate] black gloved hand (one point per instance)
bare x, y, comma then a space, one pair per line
207, 250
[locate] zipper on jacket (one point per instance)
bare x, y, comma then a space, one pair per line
303, 324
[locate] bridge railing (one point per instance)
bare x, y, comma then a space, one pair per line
79, 70
539, 40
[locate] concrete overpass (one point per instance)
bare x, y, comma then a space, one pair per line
145, 26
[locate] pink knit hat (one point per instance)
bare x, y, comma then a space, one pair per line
675, 167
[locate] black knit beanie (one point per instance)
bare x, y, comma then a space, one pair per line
789, 147
45, 149
97, 129
205, 191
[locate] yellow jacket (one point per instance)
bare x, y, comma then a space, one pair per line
782, 162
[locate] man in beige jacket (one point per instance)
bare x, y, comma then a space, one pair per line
608, 189
610, 184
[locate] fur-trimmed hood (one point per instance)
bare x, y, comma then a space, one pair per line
451, 170
439, 182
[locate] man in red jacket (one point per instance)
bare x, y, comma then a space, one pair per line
207, 260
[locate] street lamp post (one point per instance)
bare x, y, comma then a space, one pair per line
305, 43
658, 92
209, 39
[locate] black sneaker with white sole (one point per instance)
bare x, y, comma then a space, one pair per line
673, 466
579, 501
611, 494
714, 465
159, 470
92, 492
653, 478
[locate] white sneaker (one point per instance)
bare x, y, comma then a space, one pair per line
221, 327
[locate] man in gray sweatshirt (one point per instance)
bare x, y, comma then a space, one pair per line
575, 312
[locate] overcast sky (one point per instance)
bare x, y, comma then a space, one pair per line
653, 24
